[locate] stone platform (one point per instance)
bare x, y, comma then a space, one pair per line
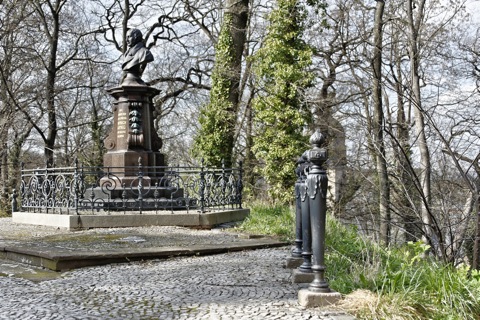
60, 249
132, 219
234, 282
59, 259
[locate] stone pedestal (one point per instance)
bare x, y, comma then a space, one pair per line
133, 140
310, 299
299, 276
293, 262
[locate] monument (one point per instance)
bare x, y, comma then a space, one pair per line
134, 187
133, 139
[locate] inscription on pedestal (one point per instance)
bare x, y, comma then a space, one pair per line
122, 124
133, 134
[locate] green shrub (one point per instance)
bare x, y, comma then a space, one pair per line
407, 285
431, 289
352, 261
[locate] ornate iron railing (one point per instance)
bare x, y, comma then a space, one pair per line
106, 190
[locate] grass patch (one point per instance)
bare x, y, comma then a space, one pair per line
272, 220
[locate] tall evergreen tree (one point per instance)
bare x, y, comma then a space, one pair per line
281, 114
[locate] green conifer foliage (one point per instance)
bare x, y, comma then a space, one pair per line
281, 66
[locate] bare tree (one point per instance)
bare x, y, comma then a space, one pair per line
416, 16
59, 37
15, 94
378, 125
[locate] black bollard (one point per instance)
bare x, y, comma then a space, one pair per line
297, 251
306, 226
317, 183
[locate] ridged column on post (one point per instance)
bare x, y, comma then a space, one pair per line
317, 184
318, 293
296, 258
306, 225
297, 251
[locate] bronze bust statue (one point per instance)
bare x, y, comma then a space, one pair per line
135, 59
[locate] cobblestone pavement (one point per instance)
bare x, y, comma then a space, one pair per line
241, 285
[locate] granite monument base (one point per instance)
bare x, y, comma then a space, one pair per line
132, 219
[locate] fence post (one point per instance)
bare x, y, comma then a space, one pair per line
240, 184
140, 185
75, 185
223, 185
46, 184
22, 186
202, 187
296, 258
124, 198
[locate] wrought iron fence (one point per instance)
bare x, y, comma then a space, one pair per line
107, 190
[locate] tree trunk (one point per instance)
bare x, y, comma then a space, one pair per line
6, 115
98, 149
404, 189
14, 157
52, 130
215, 140
476, 245
236, 11
381, 162
250, 161
425, 166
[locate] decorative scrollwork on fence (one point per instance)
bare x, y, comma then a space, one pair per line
48, 189
109, 190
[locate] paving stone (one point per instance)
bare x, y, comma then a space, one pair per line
240, 285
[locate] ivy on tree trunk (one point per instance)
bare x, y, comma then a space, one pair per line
216, 138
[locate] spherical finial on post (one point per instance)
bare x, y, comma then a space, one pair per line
317, 139
318, 154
